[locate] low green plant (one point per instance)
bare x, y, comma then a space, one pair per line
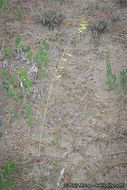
123, 77
41, 58
13, 93
18, 86
19, 14
46, 46
11, 82
6, 179
3, 5
110, 77
13, 90
9, 53
73, 40
26, 82
10, 85
28, 112
23, 48
5, 75
19, 45
30, 56
14, 80
17, 41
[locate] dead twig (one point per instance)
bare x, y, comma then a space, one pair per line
37, 185
120, 38
108, 153
10, 112
60, 178
101, 168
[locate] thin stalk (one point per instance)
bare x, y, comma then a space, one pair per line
49, 95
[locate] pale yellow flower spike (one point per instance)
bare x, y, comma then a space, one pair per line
64, 59
69, 54
61, 67
83, 26
58, 76
84, 21
80, 30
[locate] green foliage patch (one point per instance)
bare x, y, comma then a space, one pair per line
6, 179
111, 79
123, 77
41, 58
18, 86
16, 91
3, 5
28, 112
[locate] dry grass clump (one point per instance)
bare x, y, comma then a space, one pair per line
99, 26
51, 19
123, 3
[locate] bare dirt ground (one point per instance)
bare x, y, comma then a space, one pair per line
82, 128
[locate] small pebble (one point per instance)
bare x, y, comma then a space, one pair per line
24, 59
90, 78
28, 62
17, 58
5, 63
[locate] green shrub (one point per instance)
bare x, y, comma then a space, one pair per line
28, 112
6, 180
123, 77
110, 77
3, 4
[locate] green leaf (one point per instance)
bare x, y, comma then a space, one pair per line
17, 41
22, 74
28, 83
5, 74
3, 182
30, 55
28, 112
9, 168
9, 52
23, 48
13, 79
11, 182
123, 77
111, 78
46, 46
6, 180
4, 4
13, 93
19, 14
